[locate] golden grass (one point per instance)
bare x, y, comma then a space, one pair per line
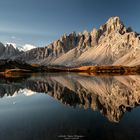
86, 70
16, 71
105, 70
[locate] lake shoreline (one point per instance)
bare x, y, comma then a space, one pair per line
84, 70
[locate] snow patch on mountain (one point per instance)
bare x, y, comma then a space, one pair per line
24, 48
12, 44
27, 47
111, 44
25, 92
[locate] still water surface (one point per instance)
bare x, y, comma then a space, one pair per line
70, 106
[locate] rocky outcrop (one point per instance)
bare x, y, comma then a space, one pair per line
2, 49
107, 44
111, 44
103, 46
114, 41
68, 44
8, 51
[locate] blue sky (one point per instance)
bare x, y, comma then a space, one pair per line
39, 22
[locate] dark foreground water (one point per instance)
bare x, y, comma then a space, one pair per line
70, 107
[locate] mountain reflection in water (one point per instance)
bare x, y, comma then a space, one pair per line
111, 96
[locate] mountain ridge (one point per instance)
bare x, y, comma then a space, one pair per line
111, 44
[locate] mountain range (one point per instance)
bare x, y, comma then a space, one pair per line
111, 44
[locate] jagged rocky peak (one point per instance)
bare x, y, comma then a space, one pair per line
86, 33
8, 51
81, 40
1, 45
94, 37
100, 46
70, 41
65, 43
10, 46
93, 32
113, 24
11, 49
2, 48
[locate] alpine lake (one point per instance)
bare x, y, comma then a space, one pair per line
70, 106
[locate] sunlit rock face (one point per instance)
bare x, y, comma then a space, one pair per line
67, 47
112, 43
112, 96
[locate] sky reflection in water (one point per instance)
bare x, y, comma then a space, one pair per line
54, 106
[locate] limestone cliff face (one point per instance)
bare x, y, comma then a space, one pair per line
113, 40
102, 46
111, 44
2, 48
66, 44
8, 51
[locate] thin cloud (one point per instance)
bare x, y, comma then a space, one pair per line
13, 37
16, 38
